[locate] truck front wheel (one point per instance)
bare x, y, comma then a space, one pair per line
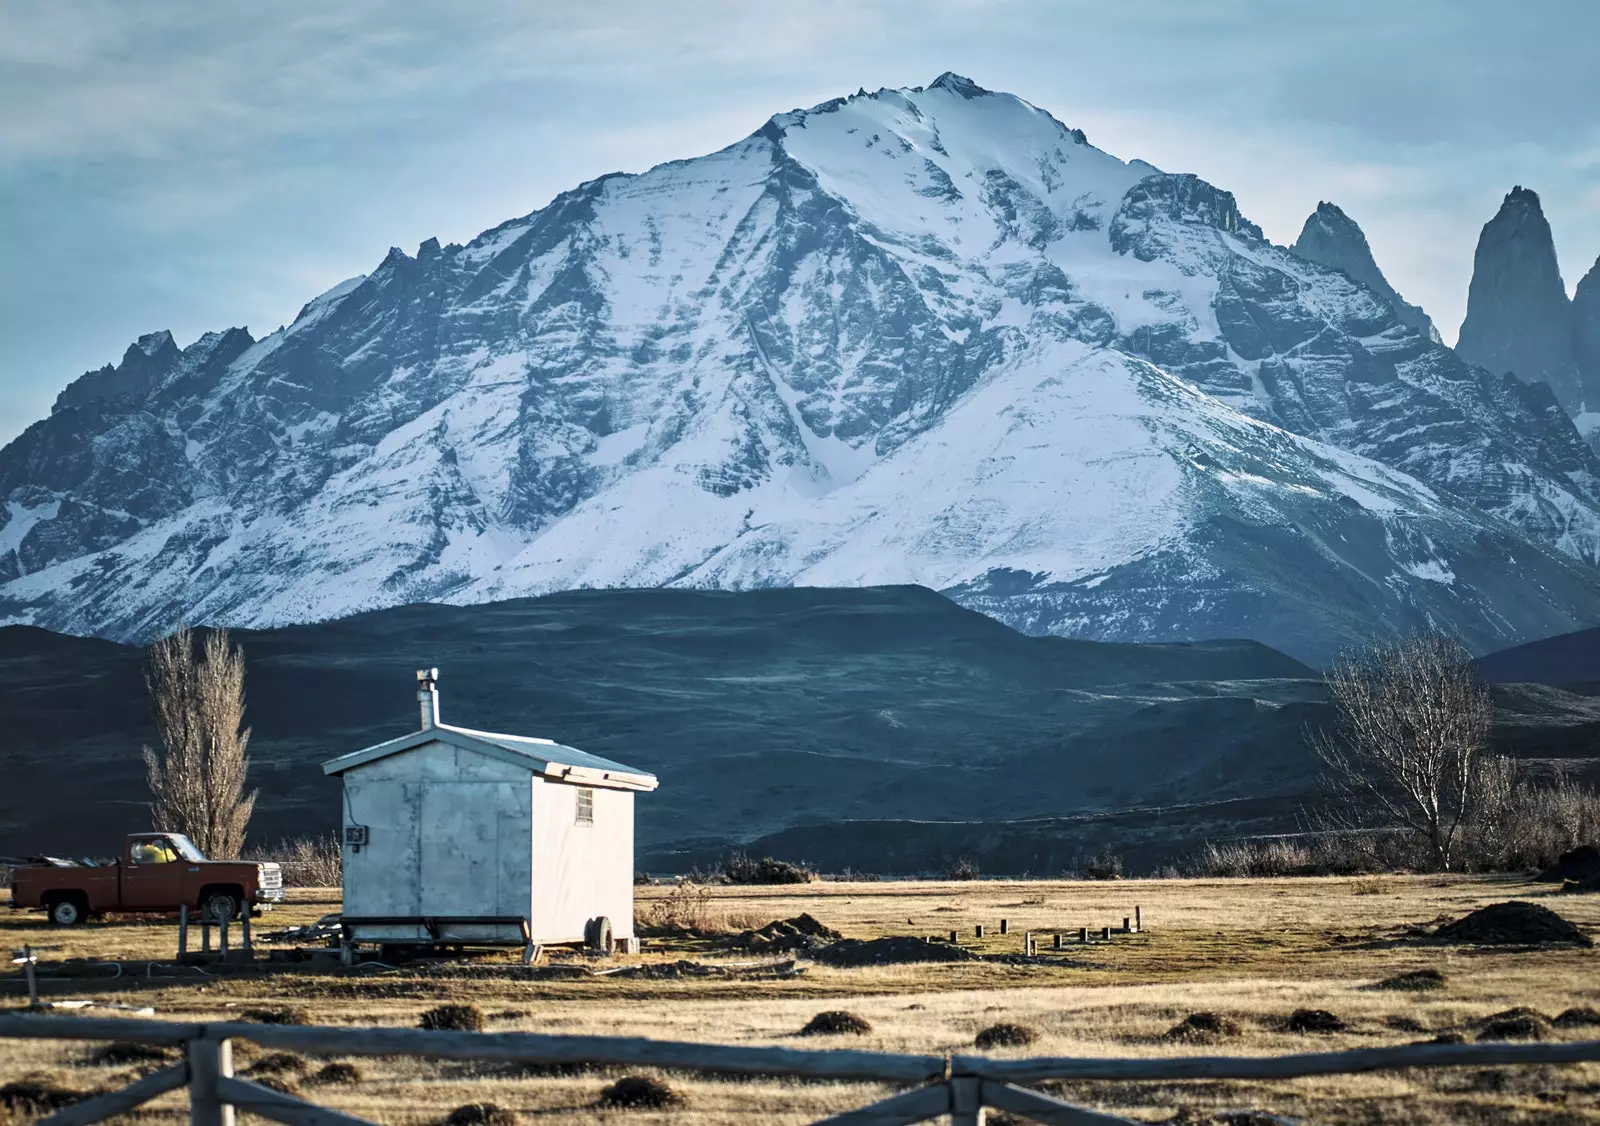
68, 911
220, 907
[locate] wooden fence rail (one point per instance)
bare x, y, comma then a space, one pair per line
958, 1086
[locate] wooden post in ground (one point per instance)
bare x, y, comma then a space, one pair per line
1127, 925
222, 937
966, 1102
1027, 943
979, 930
1055, 941
1105, 934
209, 1061
1083, 934
1138, 923
1005, 926
952, 937
244, 930
183, 931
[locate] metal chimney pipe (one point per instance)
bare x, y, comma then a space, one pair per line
428, 697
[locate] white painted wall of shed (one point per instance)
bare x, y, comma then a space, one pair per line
454, 832
581, 872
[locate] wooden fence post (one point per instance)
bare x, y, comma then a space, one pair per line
209, 1061
978, 930
1138, 923
244, 930
1005, 926
183, 931
1055, 941
966, 1101
1083, 934
222, 937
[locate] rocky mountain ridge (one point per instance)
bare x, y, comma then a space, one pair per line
925, 335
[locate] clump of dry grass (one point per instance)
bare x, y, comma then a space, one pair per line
307, 862
278, 1063
640, 1092
279, 1083
837, 1022
36, 1095
1578, 1017
481, 1114
687, 911
1313, 1020
130, 1055
1413, 981
1202, 1027
1514, 1024
336, 1074
453, 1018
1005, 1035
277, 1014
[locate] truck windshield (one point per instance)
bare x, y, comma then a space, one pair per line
185, 847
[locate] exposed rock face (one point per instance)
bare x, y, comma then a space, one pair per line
1586, 341
922, 335
1333, 239
1519, 319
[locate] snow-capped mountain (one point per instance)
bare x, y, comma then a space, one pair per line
926, 335
1332, 238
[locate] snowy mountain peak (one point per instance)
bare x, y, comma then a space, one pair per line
919, 335
152, 344
957, 84
1332, 238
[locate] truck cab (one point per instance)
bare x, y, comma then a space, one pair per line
157, 873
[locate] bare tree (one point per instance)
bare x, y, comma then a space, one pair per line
1408, 745
197, 783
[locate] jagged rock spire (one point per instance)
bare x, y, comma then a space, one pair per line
1331, 238
1518, 316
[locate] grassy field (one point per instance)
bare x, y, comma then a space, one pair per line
1252, 951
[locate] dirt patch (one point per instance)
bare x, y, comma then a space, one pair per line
481, 1114
1516, 923
891, 951
1413, 981
1201, 1027
837, 1022
1313, 1020
1580, 864
453, 1018
279, 1083
1514, 1024
686, 969
1005, 1035
641, 1092
802, 932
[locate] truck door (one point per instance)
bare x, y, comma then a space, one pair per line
152, 874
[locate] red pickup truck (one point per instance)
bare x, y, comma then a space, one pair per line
157, 872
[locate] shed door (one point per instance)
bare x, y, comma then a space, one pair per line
460, 849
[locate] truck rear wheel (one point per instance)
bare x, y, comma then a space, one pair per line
68, 910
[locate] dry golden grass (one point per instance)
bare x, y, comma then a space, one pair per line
1252, 950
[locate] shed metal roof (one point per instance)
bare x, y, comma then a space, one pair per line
539, 756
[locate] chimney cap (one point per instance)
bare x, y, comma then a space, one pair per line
426, 675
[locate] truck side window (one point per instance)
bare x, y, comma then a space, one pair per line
153, 852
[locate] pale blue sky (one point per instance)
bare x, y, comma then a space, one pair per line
192, 165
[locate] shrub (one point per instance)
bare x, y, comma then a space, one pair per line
453, 1018
277, 1063
836, 1022
1104, 865
1414, 981
641, 1092
307, 862
277, 1014
742, 869
1202, 1026
124, 1055
1313, 1020
963, 868
481, 1114
1005, 1036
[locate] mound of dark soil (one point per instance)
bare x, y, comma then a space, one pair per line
1413, 981
685, 968
338, 1074
1005, 1035
453, 1018
1313, 1020
890, 951
1202, 1026
481, 1114
1447, 1038
837, 1022
641, 1092
277, 1014
1516, 923
1580, 864
1583, 1017
277, 1063
34, 1096
1514, 1024
130, 1055
784, 935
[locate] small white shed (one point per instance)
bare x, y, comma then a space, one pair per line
459, 836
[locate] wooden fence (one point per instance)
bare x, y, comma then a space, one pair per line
958, 1086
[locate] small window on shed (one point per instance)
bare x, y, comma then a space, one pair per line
585, 806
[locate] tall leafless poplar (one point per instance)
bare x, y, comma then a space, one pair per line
197, 782
1409, 739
